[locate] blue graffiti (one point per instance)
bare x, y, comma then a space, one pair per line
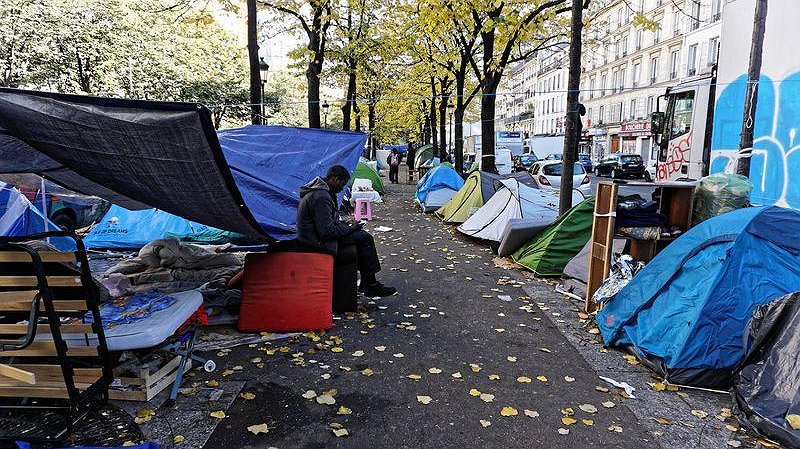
775, 163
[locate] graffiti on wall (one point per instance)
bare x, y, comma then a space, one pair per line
678, 154
775, 161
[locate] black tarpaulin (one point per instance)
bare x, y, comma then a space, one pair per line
767, 387
130, 152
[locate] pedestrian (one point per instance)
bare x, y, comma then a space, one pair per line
320, 225
393, 160
410, 156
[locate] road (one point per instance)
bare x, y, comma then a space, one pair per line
644, 191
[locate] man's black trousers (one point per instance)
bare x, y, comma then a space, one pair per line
368, 262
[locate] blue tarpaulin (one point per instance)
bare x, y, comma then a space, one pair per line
18, 218
402, 148
122, 228
271, 163
686, 313
437, 178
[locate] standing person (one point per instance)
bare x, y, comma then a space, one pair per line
410, 156
319, 225
394, 165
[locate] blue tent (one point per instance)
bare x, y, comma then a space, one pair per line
271, 163
437, 187
686, 313
402, 148
18, 217
122, 228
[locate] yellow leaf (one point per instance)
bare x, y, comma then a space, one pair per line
336, 349
424, 399
663, 421
475, 368
434, 370
340, 432
541, 378
794, 421
178, 439
258, 428
247, 395
486, 423
486, 397
310, 394
414, 376
658, 386
456, 375
145, 412
588, 408
474, 392
508, 411
494, 377
367, 372
587, 422
227, 372
615, 428
700, 414
212, 383
344, 411
569, 379
568, 421
524, 379
219, 414
380, 348
326, 399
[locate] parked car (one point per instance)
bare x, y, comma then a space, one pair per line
65, 208
524, 162
553, 157
586, 160
618, 165
547, 175
650, 172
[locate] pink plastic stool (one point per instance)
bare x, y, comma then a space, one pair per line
363, 209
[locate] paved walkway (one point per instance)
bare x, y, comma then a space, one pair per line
440, 364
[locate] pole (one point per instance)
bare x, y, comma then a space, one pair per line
451, 132
43, 192
571, 129
252, 52
263, 106
751, 97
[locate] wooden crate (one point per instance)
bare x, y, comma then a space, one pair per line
146, 385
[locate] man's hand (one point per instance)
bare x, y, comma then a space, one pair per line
357, 225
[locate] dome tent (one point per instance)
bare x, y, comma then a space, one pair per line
18, 217
437, 187
475, 192
364, 171
512, 200
549, 252
685, 314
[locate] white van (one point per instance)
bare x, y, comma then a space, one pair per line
502, 160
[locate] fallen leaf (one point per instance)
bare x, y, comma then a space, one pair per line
541, 378
569, 379
227, 372
545, 350
524, 379
424, 399
219, 414
734, 443
587, 422
456, 375
475, 368
601, 389
794, 421
494, 377
434, 370
486, 423
700, 414
258, 428
568, 421
380, 348
358, 353
367, 372
563, 431
212, 383
178, 439
474, 392
615, 428
326, 399
511, 359
508, 411
486, 397
658, 386
663, 421
609, 404
247, 395
340, 432
310, 394
588, 408
344, 411
414, 377
531, 413
399, 355
594, 331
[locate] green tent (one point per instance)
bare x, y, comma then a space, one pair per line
447, 164
477, 190
364, 171
424, 154
549, 252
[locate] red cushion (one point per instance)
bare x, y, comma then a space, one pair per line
286, 292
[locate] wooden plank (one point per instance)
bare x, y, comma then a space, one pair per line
602, 239
148, 391
18, 374
31, 281
48, 348
46, 256
52, 373
45, 390
45, 329
19, 301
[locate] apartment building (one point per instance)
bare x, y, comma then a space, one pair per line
627, 67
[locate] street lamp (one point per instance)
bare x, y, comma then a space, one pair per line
451, 106
263, 67
325, 112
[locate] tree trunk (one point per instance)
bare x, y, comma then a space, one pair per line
458, 116
371, 125
312, 77
443, 126
252, 53
432, 114
350, 97
571, 133
488, 101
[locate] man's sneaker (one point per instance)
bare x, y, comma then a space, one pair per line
377, 290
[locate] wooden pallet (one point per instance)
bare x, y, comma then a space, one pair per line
147, 385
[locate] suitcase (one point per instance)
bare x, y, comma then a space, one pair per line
287, 292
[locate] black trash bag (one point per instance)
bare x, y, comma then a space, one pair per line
766, 388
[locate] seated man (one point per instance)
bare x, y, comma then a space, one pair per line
318, 224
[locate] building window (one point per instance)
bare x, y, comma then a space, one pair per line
713, 50
650, 105
716, 10
691, 60
589, 116
625, 45
632, 109
591, 87
653, 70
676, 22
621, 16
695, 15
657, 32
673, 64
601, 116
639, 39
603, 83
621, 80
637, 73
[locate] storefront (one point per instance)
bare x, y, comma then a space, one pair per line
635, 138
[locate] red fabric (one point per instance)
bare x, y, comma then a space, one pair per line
199, 316
287, 292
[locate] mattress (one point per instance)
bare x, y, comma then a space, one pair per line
519, 231
150, 331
